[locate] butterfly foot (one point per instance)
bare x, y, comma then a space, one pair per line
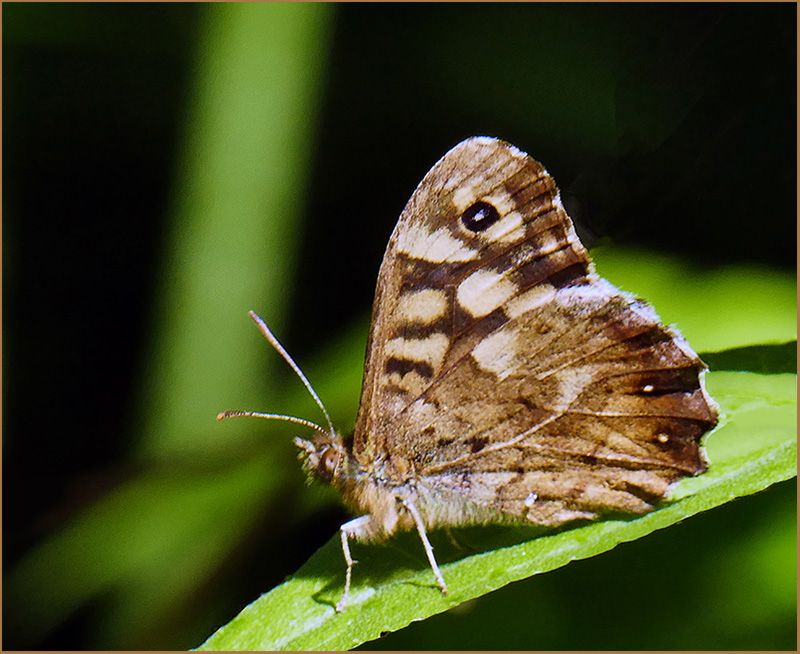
343, 602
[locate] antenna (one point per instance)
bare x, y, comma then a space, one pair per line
273, 416
270, 416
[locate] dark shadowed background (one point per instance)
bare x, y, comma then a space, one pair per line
167, 167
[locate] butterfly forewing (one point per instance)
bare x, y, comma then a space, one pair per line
503, 374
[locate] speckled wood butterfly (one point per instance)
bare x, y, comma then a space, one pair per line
504, 379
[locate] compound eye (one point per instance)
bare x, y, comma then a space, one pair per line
328, 462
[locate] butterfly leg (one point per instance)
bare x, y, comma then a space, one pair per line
426, 543
349, 530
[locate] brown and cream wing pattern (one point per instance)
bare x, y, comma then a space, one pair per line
496, 349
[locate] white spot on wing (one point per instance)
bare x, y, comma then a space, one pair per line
421, 307
534, 297
497, 353
466, 195
501, 201
428, 350
508, 229
547, 243
483, 291
437, 247
572, 382
412, 382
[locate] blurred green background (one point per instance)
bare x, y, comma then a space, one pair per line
169, 166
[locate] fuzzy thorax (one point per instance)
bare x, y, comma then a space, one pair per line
328, 459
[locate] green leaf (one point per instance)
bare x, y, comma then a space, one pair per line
137, 535
753, 448
755, 358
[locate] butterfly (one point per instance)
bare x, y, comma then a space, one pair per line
504, 379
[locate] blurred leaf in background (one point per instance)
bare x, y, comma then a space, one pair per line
168, 167
152, 543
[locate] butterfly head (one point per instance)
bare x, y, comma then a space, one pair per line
323, 456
